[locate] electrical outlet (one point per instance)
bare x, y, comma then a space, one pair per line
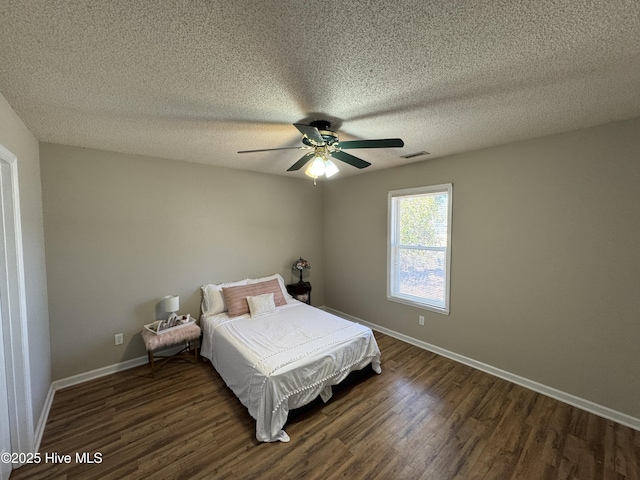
119, 339
421, 320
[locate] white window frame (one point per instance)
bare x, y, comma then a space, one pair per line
393, 248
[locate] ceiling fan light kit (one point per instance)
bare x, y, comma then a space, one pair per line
324, 142
321, 166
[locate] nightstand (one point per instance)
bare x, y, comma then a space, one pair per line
300, 291
188, 335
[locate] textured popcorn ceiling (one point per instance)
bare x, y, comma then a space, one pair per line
200, 80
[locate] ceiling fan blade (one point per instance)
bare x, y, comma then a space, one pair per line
312, 133
271, 149
300, 163
350, 159
382, 143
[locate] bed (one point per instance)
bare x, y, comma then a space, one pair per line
282, 353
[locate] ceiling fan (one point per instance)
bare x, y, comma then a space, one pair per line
324, 144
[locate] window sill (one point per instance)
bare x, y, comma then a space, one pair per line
423, 306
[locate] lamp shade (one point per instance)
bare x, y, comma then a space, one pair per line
308, 172
330, 168
317, 167
301, 264
171, 303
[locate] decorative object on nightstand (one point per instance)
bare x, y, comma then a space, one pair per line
300, 265
300, 291
160, 327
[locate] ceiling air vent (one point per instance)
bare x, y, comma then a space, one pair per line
413, 155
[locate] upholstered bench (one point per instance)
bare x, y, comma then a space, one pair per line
186, 335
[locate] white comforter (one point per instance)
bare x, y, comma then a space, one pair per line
283, 360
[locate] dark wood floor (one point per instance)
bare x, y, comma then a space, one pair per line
424, 417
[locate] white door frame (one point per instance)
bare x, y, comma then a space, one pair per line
5, 430
14, 309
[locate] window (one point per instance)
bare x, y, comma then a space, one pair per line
419, 248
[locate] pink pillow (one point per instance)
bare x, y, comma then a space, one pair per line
236, 297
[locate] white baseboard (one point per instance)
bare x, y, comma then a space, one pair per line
587, 405
99, 372
44, 416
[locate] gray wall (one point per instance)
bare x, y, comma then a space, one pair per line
15, 136
545, 259
122, 231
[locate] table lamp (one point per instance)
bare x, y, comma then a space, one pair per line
300, 265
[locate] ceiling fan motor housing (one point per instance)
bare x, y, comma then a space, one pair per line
330, 137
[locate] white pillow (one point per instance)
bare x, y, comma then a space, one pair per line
212, 298
287, 297
261, 304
